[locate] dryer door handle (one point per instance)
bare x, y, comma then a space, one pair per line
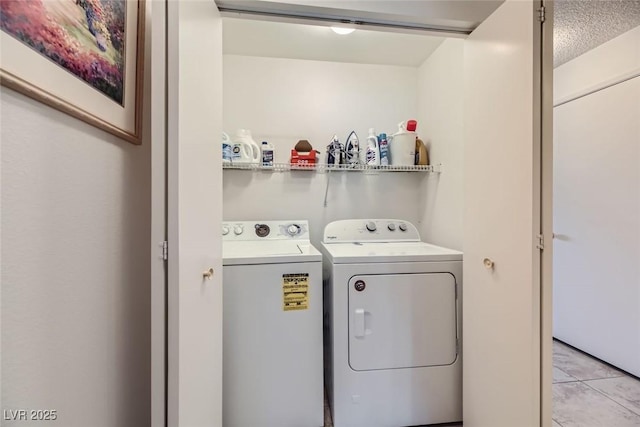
358, 326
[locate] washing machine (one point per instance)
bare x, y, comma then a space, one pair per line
272, 323
393, 354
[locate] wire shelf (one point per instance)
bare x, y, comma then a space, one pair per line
323, 168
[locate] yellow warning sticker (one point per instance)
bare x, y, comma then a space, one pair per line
295, 291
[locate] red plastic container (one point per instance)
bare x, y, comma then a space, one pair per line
303, 159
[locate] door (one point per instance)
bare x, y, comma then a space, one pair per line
501, 309
158, 142
502, 292
194, 129
597, 218
402, 321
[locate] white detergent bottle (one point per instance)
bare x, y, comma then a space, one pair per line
402, 147
245, 149
267, 153
227, 148
370, 154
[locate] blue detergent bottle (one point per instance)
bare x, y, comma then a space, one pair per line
384, 149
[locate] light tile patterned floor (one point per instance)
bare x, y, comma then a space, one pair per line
590, 393
586, 392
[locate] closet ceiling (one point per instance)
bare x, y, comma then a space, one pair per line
581, 25
381, 43
460, 16
320, 43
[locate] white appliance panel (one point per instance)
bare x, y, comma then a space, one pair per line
385, 397
267, 242
272, 358
243, 249
246, 254
370, 230
265, 231
402, 321
349, 253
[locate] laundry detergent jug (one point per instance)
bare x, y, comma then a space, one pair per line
370, 153
402, 147
245, 149
227, 148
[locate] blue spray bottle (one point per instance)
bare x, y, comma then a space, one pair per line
384, 149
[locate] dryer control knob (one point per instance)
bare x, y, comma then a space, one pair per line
238, 229
371, 226
391, 227
225, 230
403, 226
293, 229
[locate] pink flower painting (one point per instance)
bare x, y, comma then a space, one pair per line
85, 37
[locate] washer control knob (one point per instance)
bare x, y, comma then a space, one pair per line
262, 230
371, 226
225, 230
391, 226
293, 229
238, 229
403, 226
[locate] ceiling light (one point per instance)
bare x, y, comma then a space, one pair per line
343, 30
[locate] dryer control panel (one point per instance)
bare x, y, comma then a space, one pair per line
239, 231
370, 230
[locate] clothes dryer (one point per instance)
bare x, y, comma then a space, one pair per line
392, 326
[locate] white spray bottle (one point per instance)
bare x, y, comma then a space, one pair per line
370, 154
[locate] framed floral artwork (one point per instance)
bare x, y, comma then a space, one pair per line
83, 57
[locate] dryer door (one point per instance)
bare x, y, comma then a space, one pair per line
402, 321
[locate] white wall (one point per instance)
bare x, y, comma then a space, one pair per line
440, 125
75, 269
284, 100
618, 56
597, 205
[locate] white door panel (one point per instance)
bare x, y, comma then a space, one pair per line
158, 141
402, 321
194, 73
501, 317
596, 290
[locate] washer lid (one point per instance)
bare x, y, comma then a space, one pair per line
356, 253
268, 252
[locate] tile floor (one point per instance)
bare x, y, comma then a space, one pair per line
590, 393
586, 392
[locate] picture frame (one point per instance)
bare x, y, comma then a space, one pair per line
82, 57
